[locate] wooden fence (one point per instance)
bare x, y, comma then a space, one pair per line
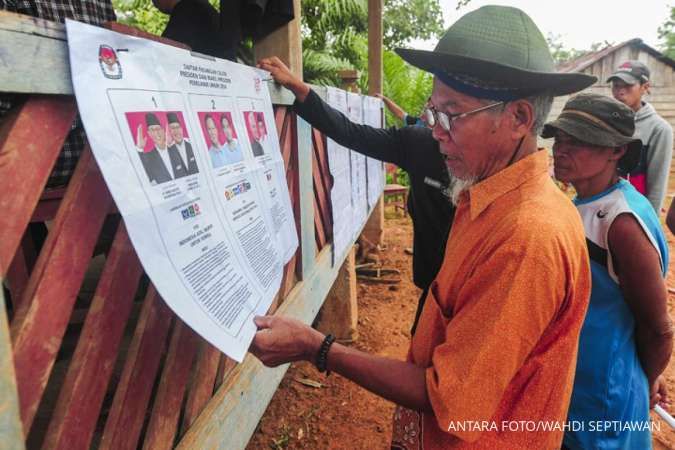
117, 369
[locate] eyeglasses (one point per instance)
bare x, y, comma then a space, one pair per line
433, 116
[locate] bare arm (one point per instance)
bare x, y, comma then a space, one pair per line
638, 268
391, 106
281, 339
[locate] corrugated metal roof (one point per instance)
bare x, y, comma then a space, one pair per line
581, 63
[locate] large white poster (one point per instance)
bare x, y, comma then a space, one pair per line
189, 150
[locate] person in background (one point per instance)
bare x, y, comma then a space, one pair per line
399, 113
195, 23
630, 83
626, 339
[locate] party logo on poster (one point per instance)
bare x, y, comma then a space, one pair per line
110, 64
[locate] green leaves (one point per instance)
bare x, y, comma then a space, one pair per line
666, 33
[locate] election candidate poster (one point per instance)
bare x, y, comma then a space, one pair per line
189, 150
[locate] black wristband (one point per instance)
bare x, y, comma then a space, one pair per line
322, 355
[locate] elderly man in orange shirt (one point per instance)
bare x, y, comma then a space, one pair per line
492, 361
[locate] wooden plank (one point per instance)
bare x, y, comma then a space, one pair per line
322, 184
224, 370
319, 227
47, 71
80, 399
230, 418
306, 198
42, 316
203, 382
163, 423
18, 274
10, 417
26, 162
127, 413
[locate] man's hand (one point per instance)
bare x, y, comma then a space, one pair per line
280, 340
282, 75
658, 393
140, 139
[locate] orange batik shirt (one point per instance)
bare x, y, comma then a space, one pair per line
500, 326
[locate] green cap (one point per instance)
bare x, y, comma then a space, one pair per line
502, 47
599, 120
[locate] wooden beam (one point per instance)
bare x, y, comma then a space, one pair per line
79, 403
285, 42
339, 313
41, 319
375, 46
47, 71
10, 418
130, 404
26, 162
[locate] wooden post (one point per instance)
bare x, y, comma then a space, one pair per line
375, 47
374, 229
285, 42
10, 420
339, 314
349, 78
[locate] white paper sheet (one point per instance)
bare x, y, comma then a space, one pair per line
375, 168
189, 150
358, 170
339, 162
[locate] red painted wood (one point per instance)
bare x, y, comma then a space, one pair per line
318, 225
18, 274
322, 187
203, 382
163, 423
26, 162
80, 399
130, 404
41, 319
224, 369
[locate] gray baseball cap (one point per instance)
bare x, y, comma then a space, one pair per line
631, 72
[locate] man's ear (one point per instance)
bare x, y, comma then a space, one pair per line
644, 87
521, 113
618, 153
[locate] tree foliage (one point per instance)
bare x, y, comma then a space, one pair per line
666, 34
335, 37
411, 19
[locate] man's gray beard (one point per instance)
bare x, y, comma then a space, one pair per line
457, 186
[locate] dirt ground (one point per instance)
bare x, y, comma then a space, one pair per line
341, 415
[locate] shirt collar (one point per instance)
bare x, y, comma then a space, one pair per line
489, 190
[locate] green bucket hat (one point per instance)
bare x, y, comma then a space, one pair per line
599, 120
503, 48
